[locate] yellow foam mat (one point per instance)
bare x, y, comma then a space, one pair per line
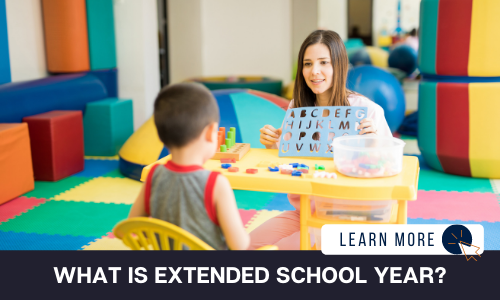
260, 217
104, 190
103, 157
106, 243
411, 147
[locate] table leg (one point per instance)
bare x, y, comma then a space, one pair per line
305, 214
402, 211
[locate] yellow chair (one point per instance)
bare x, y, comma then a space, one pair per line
143, 233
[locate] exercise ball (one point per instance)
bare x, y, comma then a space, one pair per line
403, 57
381, 87
378, 56
359, 56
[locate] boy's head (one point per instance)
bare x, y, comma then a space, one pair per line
182, 112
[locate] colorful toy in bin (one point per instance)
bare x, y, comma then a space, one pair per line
227, 147
368, 156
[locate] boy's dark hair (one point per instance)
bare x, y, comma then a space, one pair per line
182, 111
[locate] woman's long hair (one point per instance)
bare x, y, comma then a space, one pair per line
302, 94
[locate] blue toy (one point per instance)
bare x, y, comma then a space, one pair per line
225, 166
403, 57
275, 169
296, 173
295, 165
381, 87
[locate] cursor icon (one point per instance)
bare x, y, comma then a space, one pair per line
468, 250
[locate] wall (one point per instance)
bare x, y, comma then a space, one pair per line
332, 15
358, 10
136, 26
26, 42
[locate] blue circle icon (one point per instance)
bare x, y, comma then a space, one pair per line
452, 237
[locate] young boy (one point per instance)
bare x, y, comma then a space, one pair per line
182, 192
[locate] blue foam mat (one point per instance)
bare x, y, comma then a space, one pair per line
33, 241
97, 167
228, 115
279, 202
491, 230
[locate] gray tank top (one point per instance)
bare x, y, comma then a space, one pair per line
182, 195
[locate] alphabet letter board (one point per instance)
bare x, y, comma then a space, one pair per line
302, 123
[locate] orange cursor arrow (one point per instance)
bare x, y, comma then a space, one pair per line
469, 250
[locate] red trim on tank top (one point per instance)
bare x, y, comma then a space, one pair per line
209, 197
170, 165
147, 190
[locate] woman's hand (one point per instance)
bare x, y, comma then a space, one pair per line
269, 136
367, 126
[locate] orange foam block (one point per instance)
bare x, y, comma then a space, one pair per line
16, 175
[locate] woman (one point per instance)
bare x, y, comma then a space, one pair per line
320, 81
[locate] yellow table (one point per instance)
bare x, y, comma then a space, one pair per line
402, 187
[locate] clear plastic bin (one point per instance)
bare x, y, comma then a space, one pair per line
354, 211
315, 234
368, 156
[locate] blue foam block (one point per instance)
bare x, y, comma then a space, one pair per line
61, 92
225, 166
275, 169
97, 167
4, 46
34, 241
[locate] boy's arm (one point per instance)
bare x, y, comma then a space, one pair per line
229, 217
138, 209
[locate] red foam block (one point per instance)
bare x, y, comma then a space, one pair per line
56, 144
233, 169
252, 171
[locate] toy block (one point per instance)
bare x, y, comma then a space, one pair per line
225, 166
16, 176
286, 171
227, 160
56, 144
295, 165
233, 169
304, 171
252, 171
107, 126
236, 152
296, 173
275, 169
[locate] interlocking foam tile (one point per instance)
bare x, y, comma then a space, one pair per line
495, 184
17, 206
411, 147
106, 243
430, 180
491, 230
33, 241
116, 157
47, 190
455, 206
246, 215
114, 174
104, 190
97, 167
251, 199
421, 162
69, 218
260, 217
279, 202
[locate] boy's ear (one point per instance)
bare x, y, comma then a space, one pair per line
210, 129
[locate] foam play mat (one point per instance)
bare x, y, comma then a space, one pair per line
79, 212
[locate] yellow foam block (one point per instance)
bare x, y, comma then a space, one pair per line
411, 147
104, 190
260, 217
103, 157
106, 243
495, 183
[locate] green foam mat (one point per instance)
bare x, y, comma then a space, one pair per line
49, 189
430, 180
115, 174
101, 34
252, 200
255, 112
69, 218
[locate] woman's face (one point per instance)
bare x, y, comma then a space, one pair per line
317, 68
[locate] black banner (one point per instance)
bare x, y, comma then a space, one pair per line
242, 275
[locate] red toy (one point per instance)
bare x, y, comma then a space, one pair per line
252, 171
233, 169
228, 160
56, 144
